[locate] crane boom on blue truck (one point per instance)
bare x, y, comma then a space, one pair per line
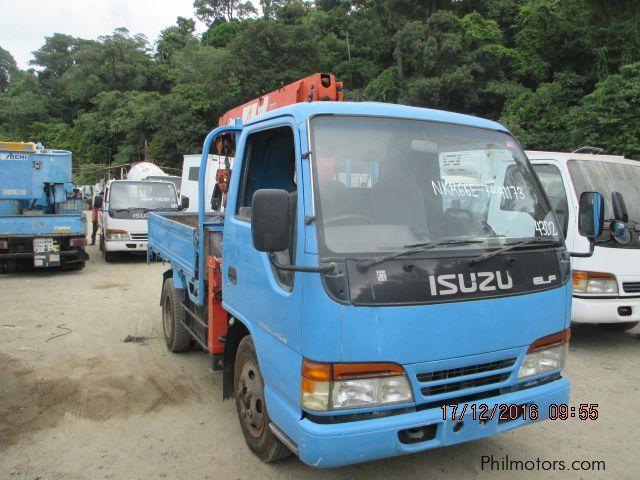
41, 220
360, 300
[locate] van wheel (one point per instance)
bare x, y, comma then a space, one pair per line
176, 336
619, 327
252, 408
109, 256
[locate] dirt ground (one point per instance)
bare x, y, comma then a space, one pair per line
77, 402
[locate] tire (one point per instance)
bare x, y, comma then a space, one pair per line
101, 243
251, 406
619, 327
109, 256
176, 336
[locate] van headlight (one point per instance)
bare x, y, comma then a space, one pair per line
545, 355
341, 386
594, 282
117, 235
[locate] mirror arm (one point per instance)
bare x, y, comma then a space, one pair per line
584, 255
298, 268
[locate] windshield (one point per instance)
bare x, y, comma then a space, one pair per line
384, 184
608, 177
143, 195
177, 181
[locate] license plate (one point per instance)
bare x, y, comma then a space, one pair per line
42, 245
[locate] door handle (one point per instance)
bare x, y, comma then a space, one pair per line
233, 275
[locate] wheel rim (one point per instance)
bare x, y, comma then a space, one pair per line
250, 397
167, 316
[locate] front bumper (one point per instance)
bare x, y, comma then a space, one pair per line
126, 246
604, 310
332, 445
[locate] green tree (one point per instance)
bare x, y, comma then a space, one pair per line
8, 69
209, 11
609, 117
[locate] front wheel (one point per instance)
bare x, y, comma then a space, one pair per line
619, 327
251, 405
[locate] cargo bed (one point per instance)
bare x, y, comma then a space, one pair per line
42, 225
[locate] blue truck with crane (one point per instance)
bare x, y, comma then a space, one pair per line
41, 220
354, 307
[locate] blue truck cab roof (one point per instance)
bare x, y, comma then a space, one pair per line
302, 111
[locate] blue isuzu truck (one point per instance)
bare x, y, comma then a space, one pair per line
41, 220
361, 298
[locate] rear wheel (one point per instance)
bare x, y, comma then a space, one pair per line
619, 327
176, 336
251, 405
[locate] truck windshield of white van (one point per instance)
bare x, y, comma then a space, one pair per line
384, 184
151, 195
608, 177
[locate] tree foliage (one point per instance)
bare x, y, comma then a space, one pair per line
560, 74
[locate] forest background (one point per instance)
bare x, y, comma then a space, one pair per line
559, 73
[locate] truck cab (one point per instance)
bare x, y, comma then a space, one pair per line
124, 211
606, 285
352, 306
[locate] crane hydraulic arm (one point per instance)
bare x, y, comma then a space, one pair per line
316, 87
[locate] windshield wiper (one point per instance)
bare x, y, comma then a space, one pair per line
128, 209
511, 246
364, 265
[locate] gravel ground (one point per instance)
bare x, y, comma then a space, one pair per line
78, 402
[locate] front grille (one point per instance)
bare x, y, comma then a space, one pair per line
139, 236
465, 384
462, 371
454, 380
631, 287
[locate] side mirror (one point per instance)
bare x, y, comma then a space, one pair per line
184, 202
591, 215
590, 219
619, 207
270, 220
97, 202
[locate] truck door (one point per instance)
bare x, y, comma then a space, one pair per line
556, 188
267, 298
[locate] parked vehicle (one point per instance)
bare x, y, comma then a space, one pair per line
41, 221
190, 175
124, 210
353, 316
150, 171
606, 286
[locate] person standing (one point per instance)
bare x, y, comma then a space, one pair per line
97, 204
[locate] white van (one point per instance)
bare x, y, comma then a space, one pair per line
123, 216
606, 286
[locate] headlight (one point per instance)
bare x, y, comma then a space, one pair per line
594, 282
545, 355
117, 235
342, 386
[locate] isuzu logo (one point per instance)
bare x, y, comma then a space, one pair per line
452, 283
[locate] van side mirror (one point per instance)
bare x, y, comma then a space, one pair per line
184, 202
619, 207
97, 201
270, 220
590, 219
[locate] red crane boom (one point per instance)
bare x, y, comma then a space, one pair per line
316, 87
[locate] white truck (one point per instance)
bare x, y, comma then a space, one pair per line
189, 184
123, 213
606, 286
